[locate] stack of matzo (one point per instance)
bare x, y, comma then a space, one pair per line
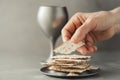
71, 64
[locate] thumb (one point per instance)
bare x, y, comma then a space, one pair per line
83, 30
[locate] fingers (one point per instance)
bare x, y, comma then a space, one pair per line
89, 38
91, 48
66, 35
76, 31
83, 30
70, 27
83, 50
88, 48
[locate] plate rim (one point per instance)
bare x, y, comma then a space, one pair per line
58, 76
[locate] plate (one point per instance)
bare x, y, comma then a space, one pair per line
57, 74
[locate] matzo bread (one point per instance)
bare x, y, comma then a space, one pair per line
70, 63
68, 47
57, 63
81, 57
66, 70
72, 60
84, 66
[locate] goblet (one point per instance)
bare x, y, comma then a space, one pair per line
51, 20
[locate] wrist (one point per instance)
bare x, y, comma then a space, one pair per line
116, 15
116, 10
116, 19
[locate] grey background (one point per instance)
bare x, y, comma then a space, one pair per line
23, 46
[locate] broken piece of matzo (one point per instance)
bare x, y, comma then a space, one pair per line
68, 47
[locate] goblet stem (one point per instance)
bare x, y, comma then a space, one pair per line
52, 46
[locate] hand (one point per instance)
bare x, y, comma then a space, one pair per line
90, 28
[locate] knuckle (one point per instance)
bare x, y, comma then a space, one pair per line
78, 30
78, 13
75, 15
93, 19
